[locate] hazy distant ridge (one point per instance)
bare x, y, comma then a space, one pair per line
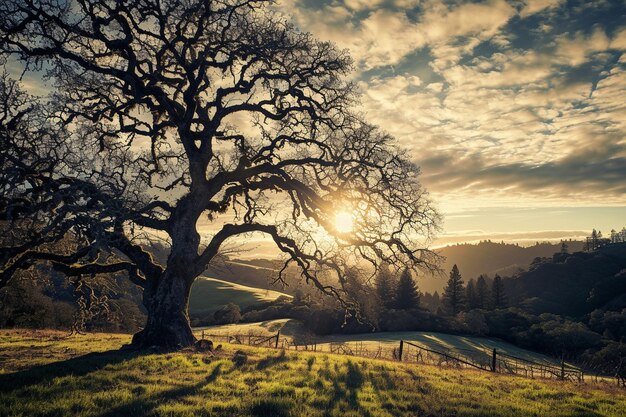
490, 258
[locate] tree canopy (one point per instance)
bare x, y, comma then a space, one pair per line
165, 115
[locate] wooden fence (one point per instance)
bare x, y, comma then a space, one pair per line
244, 339
485, 360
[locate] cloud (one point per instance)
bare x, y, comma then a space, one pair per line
359, 5
577, 49
386, 34
619, 40
441, 23
535, 6
494, 99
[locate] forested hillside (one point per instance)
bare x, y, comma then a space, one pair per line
491, 258
572, 284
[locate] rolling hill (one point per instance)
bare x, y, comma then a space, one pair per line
209, 294
295, 332
472, 259
489, 258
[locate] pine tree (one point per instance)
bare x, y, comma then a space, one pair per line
454, 293
594, 240
436, 299
498, 297
483, 292
385, 288
471, 296
407, 295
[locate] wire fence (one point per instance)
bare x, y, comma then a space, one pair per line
407, 351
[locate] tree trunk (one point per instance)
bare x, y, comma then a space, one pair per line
168, 322
167, 299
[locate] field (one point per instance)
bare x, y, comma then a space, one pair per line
292, 331
208, 294
47, 374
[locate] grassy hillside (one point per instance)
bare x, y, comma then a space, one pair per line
293, 330
208, 294
264, 382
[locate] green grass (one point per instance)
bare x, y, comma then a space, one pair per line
295, 332
266, 383
209, 294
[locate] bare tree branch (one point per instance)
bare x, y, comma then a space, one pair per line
165, 111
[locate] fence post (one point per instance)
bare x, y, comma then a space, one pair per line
562, 368
202, 334
494, 360
400, 352
277, 337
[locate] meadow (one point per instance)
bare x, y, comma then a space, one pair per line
208, 295
47, 373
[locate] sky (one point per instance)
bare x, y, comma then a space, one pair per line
514, 110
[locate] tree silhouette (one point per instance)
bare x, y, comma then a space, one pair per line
193, 122
407, 295
454, 294
591, 243
385, 287
482, 293
498, 296
471, 295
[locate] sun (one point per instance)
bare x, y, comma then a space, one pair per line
344, 222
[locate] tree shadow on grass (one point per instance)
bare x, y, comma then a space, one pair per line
146, 405
353, 380
78, 366
272, 360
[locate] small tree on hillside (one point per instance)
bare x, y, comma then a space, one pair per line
482, 293
454, 293
407, 295
385, 288
498, 296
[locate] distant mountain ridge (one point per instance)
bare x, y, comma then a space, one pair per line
490, 258
473, 259
486, 257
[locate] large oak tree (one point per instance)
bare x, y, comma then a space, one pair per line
176, 117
